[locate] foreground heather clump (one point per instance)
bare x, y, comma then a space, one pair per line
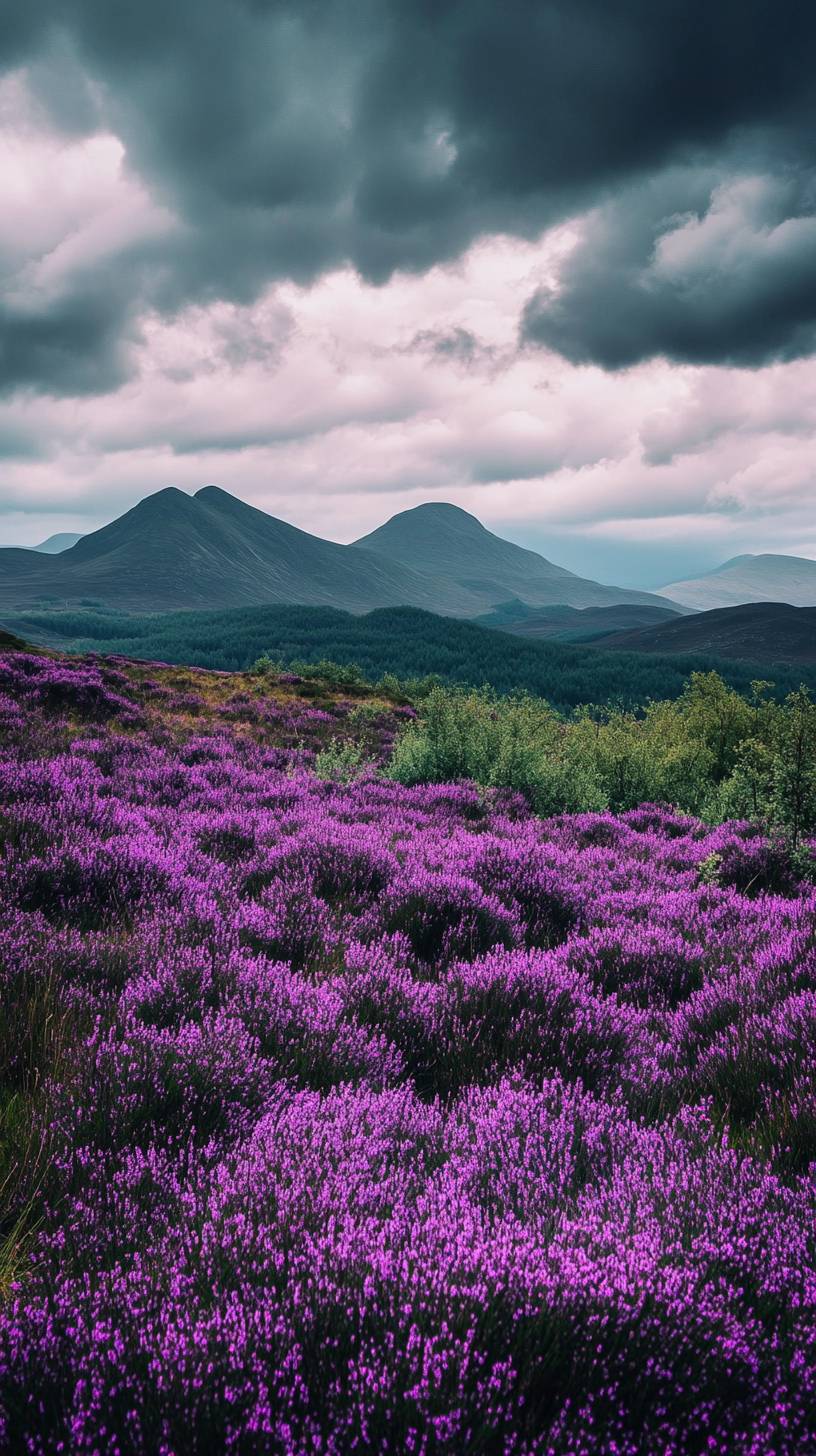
358, 1117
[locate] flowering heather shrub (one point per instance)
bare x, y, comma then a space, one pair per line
363, 1117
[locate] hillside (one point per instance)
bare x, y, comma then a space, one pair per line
771, 633
766, 578
401, 640
308, 1054
452, 544
573, 624
211, 550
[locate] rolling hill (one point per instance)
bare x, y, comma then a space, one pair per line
573, 624
454, 545
744, 579
771, 633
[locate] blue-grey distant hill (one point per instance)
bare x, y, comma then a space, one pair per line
62, 541
743, 579
212, 551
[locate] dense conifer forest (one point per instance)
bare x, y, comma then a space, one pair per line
402, 641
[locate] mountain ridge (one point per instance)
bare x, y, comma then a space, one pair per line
172, 550
211, 550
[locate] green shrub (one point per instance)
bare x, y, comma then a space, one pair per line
342, 762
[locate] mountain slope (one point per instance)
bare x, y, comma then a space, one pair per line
454, 545
211, 550
771, 633
766, 578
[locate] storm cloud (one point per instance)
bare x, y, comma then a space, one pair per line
698, 269
287, 139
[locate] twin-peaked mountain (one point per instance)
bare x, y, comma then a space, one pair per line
212, 550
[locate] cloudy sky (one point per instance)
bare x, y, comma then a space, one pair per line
555, 262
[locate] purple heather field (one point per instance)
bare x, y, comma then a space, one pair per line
363, 1118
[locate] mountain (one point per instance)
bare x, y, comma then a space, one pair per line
573, 624
453, 545
765, 578
771, 633
61, 542
212, 550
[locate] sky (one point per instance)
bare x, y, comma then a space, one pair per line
554, 262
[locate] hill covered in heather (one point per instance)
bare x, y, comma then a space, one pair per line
311, 1069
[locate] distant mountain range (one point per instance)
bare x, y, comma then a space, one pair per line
174, 551
773, 634
212, 550
744, 579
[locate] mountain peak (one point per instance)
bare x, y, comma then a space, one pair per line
176, 550
450, 543
436, 512
169, 499
213, 493
440, 508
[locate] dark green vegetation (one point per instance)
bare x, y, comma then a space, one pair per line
573, 624
769, 632
399, 641
711, 752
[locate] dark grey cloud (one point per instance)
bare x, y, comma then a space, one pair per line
702, 269
290, 136
74, 345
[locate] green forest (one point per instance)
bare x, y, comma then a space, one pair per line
403, 641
